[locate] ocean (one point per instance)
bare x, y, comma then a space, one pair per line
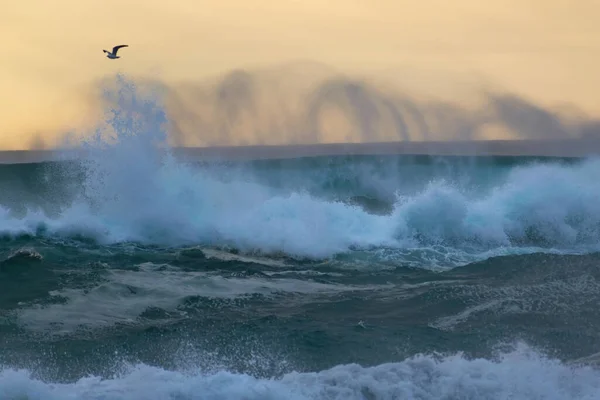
130, 274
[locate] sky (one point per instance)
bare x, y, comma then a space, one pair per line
545, 50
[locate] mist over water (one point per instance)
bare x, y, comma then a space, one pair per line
129, 187
131, 274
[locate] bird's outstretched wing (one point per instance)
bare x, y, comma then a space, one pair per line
116, 48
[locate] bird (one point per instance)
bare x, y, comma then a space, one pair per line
112, 55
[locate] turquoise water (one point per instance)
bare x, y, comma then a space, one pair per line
131, 275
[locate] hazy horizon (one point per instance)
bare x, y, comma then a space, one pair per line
238, 73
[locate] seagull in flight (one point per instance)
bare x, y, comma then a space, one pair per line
112, 55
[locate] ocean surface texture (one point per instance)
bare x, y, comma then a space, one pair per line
129, 275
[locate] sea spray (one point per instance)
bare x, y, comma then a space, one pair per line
135, 190
520, 375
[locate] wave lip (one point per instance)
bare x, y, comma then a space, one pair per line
544, 205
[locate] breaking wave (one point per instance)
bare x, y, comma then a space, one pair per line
135, 190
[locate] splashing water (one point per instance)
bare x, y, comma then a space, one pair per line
136, 190
519, 375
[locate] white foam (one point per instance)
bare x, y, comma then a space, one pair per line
226, 256
519, 375
124, 295
565, 296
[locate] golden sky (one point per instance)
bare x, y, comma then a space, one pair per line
547, 50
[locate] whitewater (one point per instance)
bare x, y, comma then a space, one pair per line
128, 273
